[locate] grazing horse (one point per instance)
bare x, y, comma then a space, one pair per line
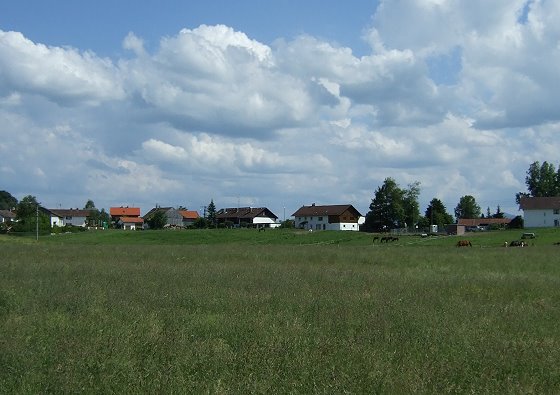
375, 238
517, 243
464, 243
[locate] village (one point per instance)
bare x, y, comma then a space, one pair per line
538, 212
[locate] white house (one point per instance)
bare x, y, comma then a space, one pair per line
332, 217
73, 217
540, 212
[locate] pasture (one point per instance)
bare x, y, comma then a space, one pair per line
238, 311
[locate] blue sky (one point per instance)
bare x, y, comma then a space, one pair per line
101, 25
276, 105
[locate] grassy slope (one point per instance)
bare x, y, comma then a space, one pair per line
278, 312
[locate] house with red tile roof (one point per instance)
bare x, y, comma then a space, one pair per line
189, 217
127, 218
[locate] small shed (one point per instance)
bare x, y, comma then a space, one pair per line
454, 229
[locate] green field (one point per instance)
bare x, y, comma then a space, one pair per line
241, 311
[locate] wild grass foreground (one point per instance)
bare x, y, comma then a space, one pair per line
251, 318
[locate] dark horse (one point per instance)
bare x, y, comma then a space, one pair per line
464, 243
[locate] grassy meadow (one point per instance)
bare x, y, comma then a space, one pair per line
240, 311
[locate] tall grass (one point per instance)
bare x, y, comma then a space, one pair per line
250, 318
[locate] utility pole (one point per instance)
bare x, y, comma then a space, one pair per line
37, 222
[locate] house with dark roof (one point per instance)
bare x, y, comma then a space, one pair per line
69, 217
540, 212
7, 216
255, 217
330, 217
174, 218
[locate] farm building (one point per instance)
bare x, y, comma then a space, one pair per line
189, 217
330, 217
72, 217
248, 216
174, 218
127, 218
540, 212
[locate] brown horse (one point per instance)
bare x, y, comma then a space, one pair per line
464, 243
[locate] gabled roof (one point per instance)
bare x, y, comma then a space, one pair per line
539, 203
483, 221
124, 211
131, 220
7, 214
336, 209
70, 212
188, 214
245, 212
155, 210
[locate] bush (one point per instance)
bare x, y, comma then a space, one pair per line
517, 223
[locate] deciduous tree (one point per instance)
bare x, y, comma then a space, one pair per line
467, 208
393, 207
542, 180
7, 201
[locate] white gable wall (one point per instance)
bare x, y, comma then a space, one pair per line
545, 218
322, 223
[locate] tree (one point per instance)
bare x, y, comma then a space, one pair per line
436, 214
467, 208
516, 223
27, 213
27, 208
541, 180
7, 201
89, 205
211, 213
392, 206
411, 205
157, 220
499, 213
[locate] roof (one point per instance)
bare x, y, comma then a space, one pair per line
7, 214
336, 209
124, 211
483, 221
70, 212
155, 210
245, 212
539, 203
187, 214
131, 220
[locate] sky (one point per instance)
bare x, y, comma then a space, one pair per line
276, 104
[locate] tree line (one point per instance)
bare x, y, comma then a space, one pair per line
391, 207
394, 207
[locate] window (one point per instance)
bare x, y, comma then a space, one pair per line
320, 219
318, 226
556, 211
